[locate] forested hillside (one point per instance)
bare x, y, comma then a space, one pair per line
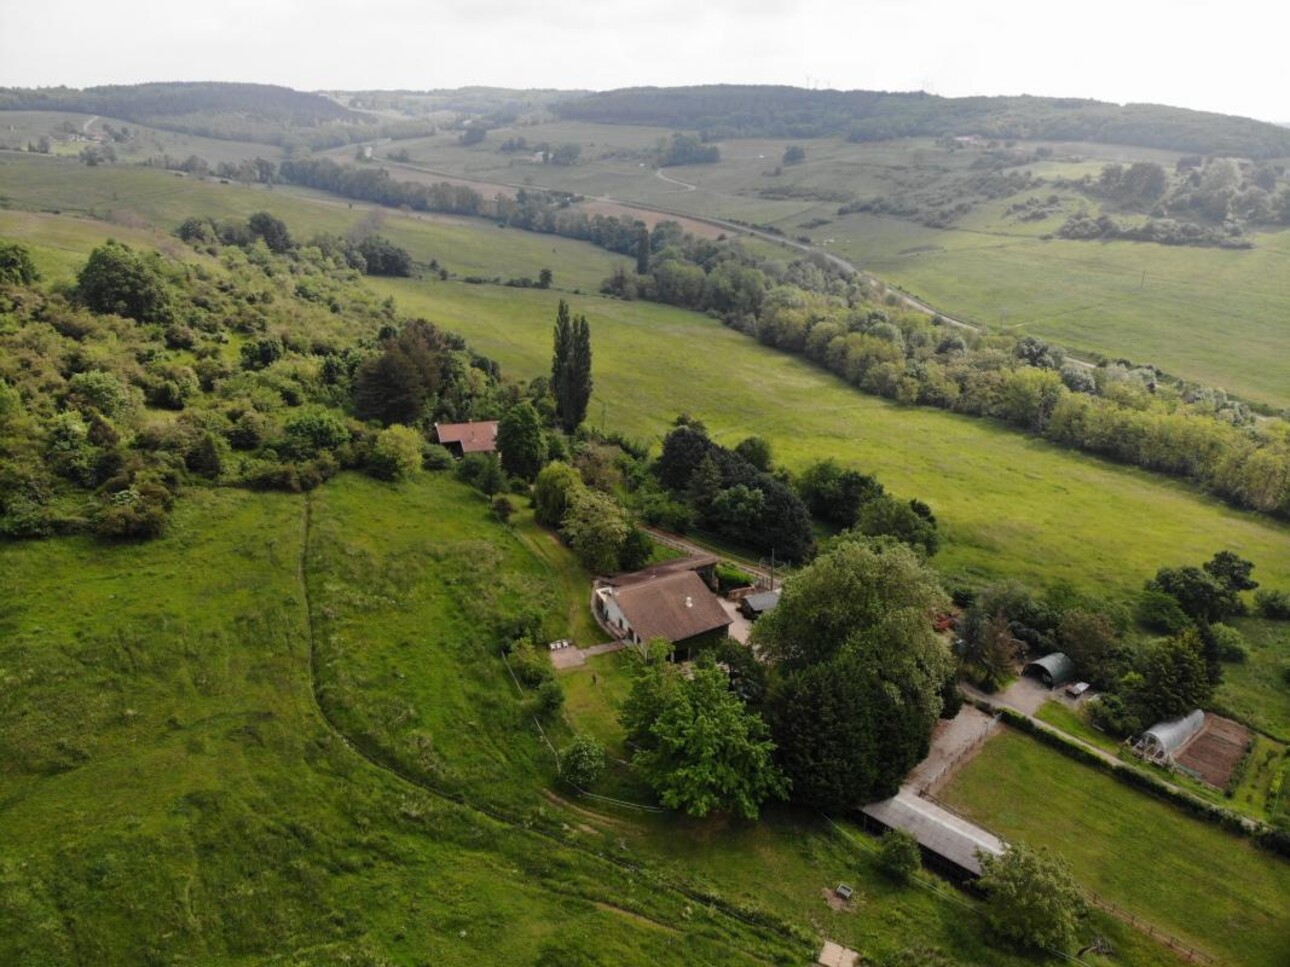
726, 111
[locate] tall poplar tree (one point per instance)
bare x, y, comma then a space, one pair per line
571, 368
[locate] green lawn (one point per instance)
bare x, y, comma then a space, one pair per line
1062, 716
1257, 690
1211, 888
1009, 506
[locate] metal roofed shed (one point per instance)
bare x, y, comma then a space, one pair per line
1164, 740
1053, 669
937, 830
755, 605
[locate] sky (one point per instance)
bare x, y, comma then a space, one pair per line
1201, 54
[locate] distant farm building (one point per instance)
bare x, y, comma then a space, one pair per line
670, 600
464, 438
756, 605
1053, 670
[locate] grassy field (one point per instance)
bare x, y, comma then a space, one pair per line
1209, 315
18, 128
170, 793
1250, 796
1257, 689
123, 200
1009, 505
1212, 889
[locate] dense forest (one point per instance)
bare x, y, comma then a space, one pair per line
728, 111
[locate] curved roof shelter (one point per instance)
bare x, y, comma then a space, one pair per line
1053, 670
1166, 738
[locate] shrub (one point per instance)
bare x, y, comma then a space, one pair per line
396, 454
117, 279
550, 698
1272, 604
436, 457
483, 471
16, 266
502, 507
1230, 642
582, 762
898, 855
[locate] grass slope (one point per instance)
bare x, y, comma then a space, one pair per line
1211, 888
169, 792
1009, 506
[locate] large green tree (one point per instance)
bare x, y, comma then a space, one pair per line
553, 492
698, 746
1033, 901
520, 441
596, 527
856, 672
118, 279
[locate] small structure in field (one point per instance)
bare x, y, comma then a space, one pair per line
1163, 741
670, 600
755, 605
1053, 670
949, 841
1205, 746
464, 438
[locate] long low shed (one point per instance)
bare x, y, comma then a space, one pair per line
937, 830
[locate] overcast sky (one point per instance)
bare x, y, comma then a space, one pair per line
1202, 54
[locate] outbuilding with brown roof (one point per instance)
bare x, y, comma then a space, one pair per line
463, 438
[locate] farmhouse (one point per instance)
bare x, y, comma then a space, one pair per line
670, 600
1053, 670
464, 438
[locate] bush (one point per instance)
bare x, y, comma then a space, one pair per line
898, 855
502, 507
119, 280
1160, 612
582, 762
1230, 642
16, 266
550, 698
1272, 604
436, 457
396, 454
483, 471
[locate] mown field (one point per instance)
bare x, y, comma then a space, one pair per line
1009, 506
1206, 314
1210, 888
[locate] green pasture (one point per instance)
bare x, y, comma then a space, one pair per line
18, 128
1257, 690
1209, 315
1213, 889
1009, 505
169, 790
122, 199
